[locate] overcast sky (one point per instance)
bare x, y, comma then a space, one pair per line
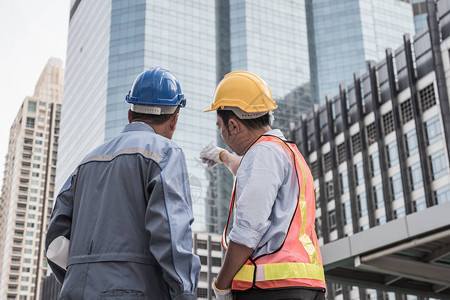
31, 31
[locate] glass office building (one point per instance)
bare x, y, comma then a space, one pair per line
348, 33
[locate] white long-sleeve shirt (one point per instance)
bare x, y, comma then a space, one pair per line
266, 196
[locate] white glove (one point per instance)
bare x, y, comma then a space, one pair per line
222, 294
210, 155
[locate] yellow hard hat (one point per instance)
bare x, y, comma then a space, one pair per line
245, 91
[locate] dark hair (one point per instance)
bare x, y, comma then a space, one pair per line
256, 123
152, 119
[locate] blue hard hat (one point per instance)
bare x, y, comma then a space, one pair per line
156, 87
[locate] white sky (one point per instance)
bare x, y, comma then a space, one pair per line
31, 31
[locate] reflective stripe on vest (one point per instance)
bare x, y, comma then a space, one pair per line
297, 263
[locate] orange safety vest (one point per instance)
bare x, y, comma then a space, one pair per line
298, 262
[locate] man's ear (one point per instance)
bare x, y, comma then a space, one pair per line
173, 122
129, 116
233, 126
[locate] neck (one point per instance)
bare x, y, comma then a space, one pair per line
249, 138
161, 129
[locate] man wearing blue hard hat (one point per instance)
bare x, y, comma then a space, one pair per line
126, 211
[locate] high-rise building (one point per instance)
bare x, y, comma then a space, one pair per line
379, 151
28, 187
345, 34
110, 42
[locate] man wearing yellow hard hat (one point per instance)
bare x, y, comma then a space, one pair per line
273, 251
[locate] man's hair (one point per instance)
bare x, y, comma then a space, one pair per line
256, 123
152, 119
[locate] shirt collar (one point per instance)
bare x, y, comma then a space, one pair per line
138, 126
276, 132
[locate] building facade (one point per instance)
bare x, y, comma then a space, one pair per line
27, 196
345, 34
379, 153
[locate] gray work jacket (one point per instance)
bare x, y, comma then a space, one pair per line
127, 212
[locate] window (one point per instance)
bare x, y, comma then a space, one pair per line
347, 212
359, 172
381, 220
396, 184
202, 293
375, 164
314, 172
216, 246
443, 194
344, 182
427, 97
415, 172
364, 227
330, 190
341, 153
388, 123
216, 261
433, 130
30, 122
31, 106
411, 142
438, 164
362, 203
406, 110
371, 133
332, 219
392, 153
327, 161
399, 212
420, 204
378, 194
201, 244
356, 143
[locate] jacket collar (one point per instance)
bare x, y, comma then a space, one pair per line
138, 126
